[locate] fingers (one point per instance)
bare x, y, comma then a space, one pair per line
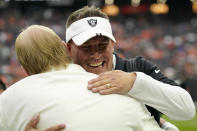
33, 122
109, 91
56, 128
162, 121
105, 89
104, 83
100, 82
32, 125
101, 87
120, 82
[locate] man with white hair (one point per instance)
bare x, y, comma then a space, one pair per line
57, 89
90, 43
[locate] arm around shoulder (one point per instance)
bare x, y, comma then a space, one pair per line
172, 101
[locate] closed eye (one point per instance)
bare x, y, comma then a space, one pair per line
86, 47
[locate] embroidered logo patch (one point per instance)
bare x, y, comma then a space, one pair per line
157, 71
92, 22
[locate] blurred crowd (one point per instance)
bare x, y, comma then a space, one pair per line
170, 45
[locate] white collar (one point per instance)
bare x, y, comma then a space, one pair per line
114, 62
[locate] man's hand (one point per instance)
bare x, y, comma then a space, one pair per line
167, 126
111, 82
32, 125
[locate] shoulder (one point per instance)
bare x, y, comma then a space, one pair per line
141, 64
16, 88
144, 65
137, 63
151, 69
126, 101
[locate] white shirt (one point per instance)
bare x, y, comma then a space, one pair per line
62, 97
173, 101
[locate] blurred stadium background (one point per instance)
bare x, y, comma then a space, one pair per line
163, 31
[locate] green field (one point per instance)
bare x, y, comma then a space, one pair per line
190, 125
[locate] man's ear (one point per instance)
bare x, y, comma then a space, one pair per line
25, 71
68, 47
113, 45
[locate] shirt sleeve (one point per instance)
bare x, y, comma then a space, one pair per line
174, 102
143, 65
145, 122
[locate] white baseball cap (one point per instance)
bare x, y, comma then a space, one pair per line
84, 29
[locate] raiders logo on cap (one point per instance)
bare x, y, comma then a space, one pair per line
92, 22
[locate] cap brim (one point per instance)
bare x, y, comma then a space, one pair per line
85, 36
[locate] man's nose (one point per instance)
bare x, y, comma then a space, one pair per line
95, 54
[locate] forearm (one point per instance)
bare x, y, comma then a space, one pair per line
173, 101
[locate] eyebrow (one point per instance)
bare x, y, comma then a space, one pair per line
103, 39
86, 44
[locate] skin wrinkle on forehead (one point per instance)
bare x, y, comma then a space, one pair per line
101, 40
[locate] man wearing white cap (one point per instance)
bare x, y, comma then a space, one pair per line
90, 43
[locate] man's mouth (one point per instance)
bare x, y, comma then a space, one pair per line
96, 64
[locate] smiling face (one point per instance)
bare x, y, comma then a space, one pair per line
95, 55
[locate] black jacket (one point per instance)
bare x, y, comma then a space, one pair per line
140, 64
